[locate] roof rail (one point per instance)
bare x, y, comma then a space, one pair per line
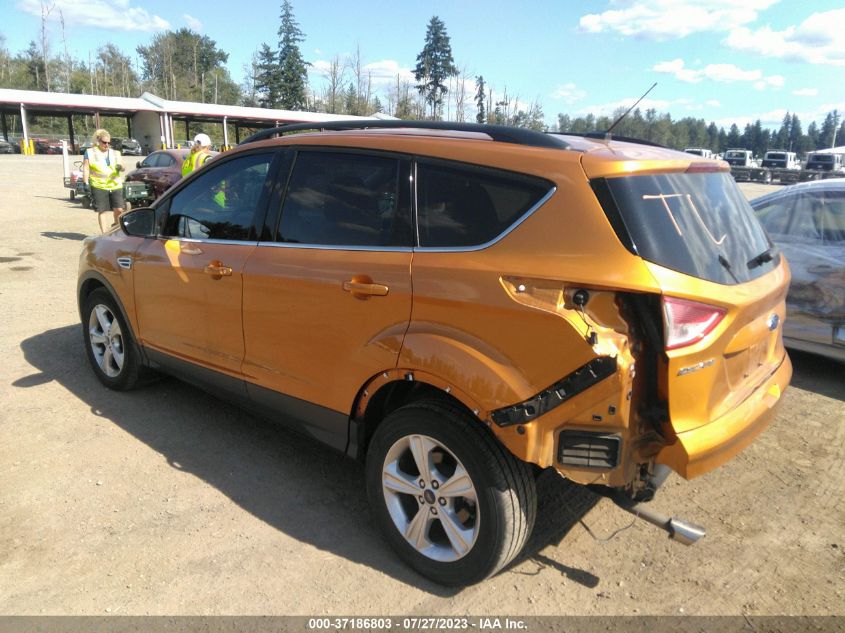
603, 136
500, 133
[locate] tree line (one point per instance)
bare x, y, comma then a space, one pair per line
184, 65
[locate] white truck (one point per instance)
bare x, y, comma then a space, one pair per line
777, 165
699, 151
737, 157
824, 163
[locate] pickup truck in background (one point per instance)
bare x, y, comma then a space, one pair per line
778, 166
736, 157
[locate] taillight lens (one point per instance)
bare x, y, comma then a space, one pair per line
688, 322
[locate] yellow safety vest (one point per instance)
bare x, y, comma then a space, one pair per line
102, 167
193, 162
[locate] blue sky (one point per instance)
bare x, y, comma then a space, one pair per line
720, 60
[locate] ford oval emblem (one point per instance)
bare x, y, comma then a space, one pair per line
772, 322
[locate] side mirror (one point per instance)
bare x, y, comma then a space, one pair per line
139, 222
138, 164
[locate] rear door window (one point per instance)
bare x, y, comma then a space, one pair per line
347, 199
699, 224
462, 206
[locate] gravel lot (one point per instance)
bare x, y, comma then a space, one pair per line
167, 501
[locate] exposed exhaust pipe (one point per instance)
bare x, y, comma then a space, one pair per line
679, 530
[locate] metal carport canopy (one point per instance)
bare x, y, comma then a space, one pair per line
67, 104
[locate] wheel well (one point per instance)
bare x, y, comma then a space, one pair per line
88, 286
392, 396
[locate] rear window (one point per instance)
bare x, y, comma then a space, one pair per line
462, 206
698, 224
776, 156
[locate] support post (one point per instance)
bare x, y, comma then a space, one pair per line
71, 135
5, 127
225, 131
26, 148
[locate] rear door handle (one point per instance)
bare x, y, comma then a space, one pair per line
365, 289
217, 270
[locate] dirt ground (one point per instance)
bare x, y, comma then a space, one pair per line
167, 501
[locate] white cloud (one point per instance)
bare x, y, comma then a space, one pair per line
661, 105
771, 119
806, 92
713, 103
116, 15
382, 74
193, 23
568, 93
820, 39
723, 73
673, 19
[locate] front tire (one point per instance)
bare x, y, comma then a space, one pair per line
453, 503
109, 343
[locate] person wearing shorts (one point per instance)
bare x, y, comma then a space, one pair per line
101, 173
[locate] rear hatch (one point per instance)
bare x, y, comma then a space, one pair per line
723, 284
774, 159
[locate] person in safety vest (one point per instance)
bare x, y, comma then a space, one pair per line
101, 175
200, 152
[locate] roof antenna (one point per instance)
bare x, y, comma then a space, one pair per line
619, 120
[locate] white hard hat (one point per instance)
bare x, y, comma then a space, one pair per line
202, 139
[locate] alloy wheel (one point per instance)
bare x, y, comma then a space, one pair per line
430, 498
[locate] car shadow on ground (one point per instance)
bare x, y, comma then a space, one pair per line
292, 483
54, 235
820, 375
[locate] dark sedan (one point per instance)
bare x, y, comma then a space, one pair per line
807, 224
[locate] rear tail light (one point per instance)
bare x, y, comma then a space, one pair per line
688, 322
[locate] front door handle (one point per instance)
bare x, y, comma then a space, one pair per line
217, 270
363, 289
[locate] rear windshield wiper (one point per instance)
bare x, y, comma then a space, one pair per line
763, 258
727, 266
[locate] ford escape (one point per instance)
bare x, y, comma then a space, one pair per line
461, 307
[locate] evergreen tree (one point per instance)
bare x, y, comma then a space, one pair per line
480, 97
734, 139
781, 139
435, 65
293, 69
267, 78
795, 135
829, 131
812, 137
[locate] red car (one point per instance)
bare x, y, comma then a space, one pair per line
159, 170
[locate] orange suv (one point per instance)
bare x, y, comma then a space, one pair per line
462, 307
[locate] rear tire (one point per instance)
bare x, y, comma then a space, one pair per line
453, 503
109, 343
72, 195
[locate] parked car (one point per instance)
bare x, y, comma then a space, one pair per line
159, 171
127, 146
807, 223
460, 307
6, 147
47, 146
85, 146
